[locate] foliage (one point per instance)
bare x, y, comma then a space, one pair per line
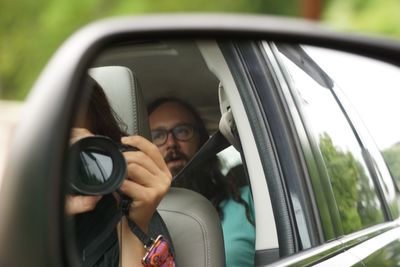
32, 30
364, 15
355, 199
392, 159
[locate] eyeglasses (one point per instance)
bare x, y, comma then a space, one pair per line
181, 132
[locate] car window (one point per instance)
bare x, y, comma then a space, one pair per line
185, 93
373, 91
353, 187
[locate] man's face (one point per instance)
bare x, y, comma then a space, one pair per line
176, 153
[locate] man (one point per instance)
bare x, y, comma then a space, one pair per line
179, 132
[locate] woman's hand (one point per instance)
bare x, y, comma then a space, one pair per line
79, 204
148, 179
79, 133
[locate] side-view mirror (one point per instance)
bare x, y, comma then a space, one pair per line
260, 62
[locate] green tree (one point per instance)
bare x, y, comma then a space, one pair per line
371, 16
392, 159
30, 31
354, 194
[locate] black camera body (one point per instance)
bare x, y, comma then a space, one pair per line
125, 148
96, 165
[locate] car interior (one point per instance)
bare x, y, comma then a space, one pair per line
134, 74
183, 211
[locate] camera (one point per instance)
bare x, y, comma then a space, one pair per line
96, 165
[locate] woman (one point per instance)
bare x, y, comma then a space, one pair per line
148, 180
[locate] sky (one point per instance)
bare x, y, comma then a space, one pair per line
373, 87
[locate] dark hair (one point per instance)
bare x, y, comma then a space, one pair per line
216, 187
101, 117
199, 123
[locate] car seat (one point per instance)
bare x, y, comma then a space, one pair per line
192, 221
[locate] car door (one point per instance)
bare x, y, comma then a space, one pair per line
297, 220
333, 195
340, 187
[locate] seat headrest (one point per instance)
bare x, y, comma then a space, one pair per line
125, 97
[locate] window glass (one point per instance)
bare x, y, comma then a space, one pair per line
373, 90
353, 188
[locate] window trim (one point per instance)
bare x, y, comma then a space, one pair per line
317, 173
370, 158
335, 249
266, 234
302, 187
237, 55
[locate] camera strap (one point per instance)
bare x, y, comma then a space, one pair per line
159, 251
96, 231
97, 234
143, 237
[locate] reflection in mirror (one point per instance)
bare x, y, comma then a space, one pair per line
95, 168
331, 123
179, 89
171, 87
373, 91
96, 165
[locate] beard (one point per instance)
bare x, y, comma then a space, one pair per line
176, 155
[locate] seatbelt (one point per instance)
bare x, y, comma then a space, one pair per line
215, 144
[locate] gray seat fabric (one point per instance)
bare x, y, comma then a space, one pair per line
125, 97
191, 219
195, 229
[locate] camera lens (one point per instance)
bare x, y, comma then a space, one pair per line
96, 166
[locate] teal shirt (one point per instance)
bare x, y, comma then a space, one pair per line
239, 233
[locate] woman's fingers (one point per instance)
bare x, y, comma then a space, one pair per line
146, 147
145, 201
140, 158
146, 166
139, 174
79, 133
148, 179
139, 193
79, 204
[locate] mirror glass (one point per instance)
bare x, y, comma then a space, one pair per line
339, 106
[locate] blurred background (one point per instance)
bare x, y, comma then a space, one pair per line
31, 31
